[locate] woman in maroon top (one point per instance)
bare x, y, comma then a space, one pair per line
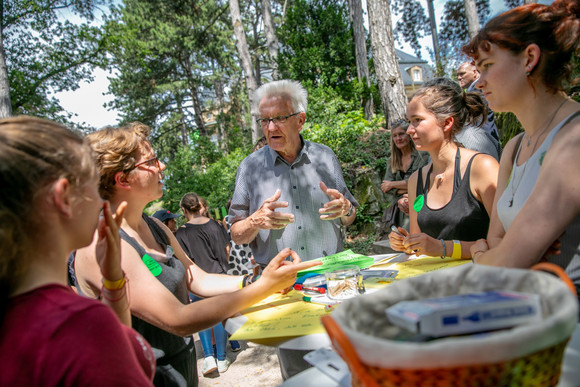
49, 206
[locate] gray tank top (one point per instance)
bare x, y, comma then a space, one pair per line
522, 181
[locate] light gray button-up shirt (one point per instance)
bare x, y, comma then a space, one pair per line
263, 172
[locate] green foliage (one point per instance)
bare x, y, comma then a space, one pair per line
45, 53
317, 45
173, 61
508, 126
215, 182
357, 143
361, 244
414, 25
454, 30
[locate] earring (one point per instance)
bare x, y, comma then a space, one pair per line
527, 73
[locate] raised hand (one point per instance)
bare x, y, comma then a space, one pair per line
108, 247
267, 218
281, 274
337, 206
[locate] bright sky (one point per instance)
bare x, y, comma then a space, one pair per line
88, 101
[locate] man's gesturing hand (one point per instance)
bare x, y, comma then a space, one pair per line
337, 206
267, 218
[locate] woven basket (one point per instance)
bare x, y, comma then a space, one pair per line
539, 368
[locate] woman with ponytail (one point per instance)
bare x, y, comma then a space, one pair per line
451, 197
49, 206
524, 57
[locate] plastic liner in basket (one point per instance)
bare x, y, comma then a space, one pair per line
363, 319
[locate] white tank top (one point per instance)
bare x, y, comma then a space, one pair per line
522, 181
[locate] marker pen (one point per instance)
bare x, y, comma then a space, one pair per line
320, 290
313, 300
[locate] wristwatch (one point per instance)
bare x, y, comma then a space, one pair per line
350, 210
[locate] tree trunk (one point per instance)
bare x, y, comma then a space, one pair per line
389, 77
184, 139
5, 102
362, 66
271, 39
244, 54
471, 16
438, 65
219, 93
198, 111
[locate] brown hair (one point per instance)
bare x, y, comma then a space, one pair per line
191, 202
554, 28
34, 153
444, 98
396, 153
117, 150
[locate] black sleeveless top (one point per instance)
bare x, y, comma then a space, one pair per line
175, 355
463, 218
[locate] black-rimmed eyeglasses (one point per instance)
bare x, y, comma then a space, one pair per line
265, 122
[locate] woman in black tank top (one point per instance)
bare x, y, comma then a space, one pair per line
451, 197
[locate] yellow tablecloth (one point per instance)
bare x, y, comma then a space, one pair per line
289, 316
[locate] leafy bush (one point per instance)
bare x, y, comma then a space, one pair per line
358, 143
215, 182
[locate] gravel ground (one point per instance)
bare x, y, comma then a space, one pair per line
253, 365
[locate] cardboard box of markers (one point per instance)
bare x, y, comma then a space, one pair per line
466, 313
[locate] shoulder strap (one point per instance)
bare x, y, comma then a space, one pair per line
133, 242
457, 172
157, 231
570, 118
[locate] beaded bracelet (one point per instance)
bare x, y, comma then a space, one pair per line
443, 251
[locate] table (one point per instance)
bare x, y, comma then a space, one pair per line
285, 313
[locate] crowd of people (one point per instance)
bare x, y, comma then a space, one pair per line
72, 212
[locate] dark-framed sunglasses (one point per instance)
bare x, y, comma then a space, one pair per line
152, 162
264, 122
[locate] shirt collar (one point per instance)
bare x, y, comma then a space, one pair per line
274, 156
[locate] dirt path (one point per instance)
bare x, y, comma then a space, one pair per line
253, 365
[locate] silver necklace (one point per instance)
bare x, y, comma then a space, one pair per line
514, 187
529, 138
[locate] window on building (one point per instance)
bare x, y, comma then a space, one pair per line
417, 75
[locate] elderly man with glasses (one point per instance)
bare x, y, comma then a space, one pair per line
291, 193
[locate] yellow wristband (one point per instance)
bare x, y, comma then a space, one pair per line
456, 249
114, 285
242, 278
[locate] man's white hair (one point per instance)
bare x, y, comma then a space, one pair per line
292, 90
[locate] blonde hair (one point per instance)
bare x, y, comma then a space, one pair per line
396, 153
34, 153
117, 150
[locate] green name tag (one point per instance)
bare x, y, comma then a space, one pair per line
418, 204
153, 266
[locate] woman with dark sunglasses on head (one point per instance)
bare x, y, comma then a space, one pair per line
159, 273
